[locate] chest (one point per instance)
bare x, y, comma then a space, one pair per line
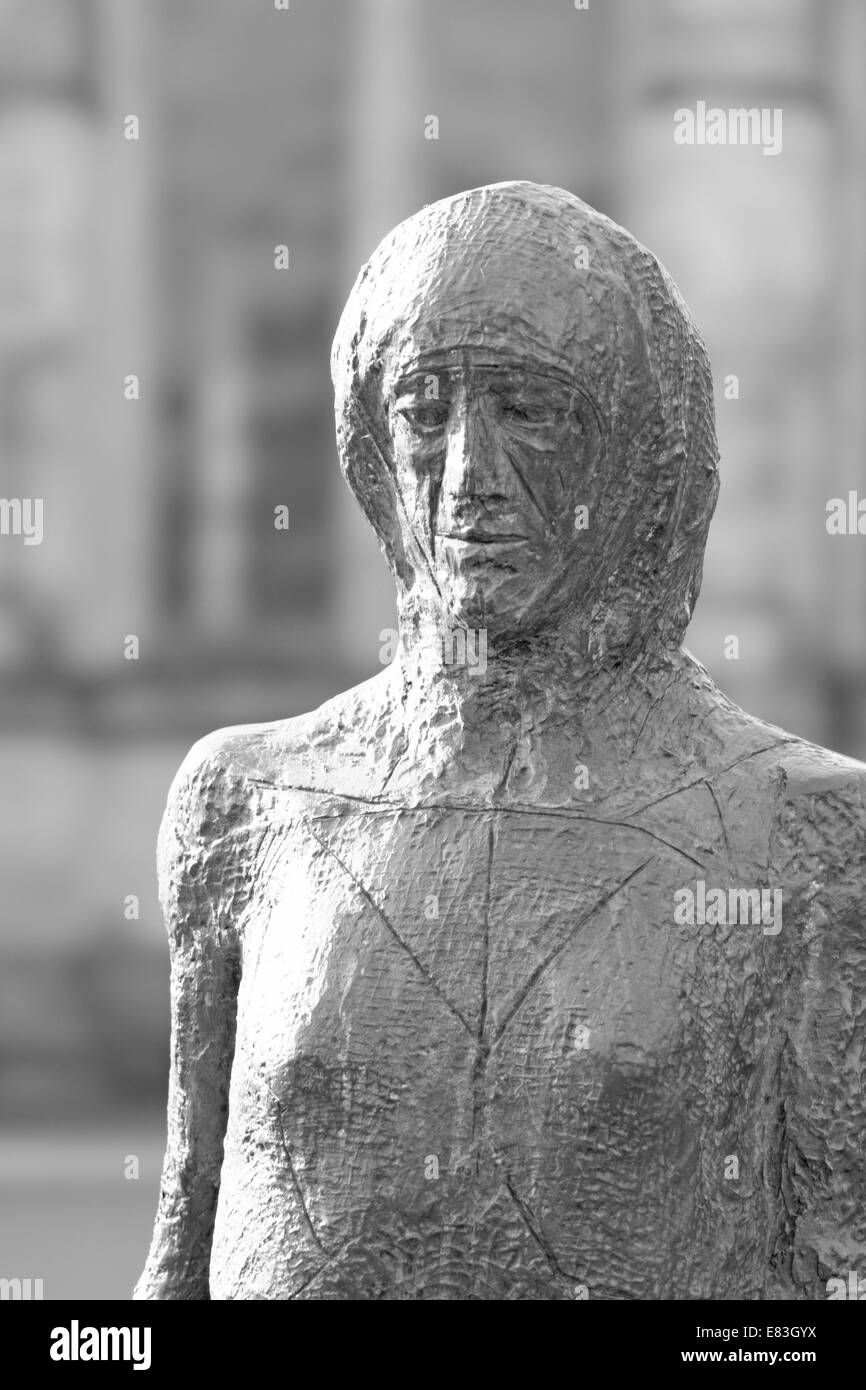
434, 951
486, 1025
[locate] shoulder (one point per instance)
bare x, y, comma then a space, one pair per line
213, 798
819, 801
793, 813
805, 770
781, 773
817, 855
807, 805
763, 760
236, 784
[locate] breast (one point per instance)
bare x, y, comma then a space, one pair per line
460, 1066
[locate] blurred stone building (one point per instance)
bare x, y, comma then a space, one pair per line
155, 258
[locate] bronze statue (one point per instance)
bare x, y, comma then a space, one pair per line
536, 976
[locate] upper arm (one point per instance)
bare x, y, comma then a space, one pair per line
195, 866
823, 1178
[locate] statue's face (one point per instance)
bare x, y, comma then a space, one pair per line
528, 430
496, 458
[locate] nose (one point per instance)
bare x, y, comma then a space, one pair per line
476, 467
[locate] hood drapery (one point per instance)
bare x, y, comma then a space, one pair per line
534, 269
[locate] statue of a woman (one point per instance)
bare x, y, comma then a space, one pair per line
532, 968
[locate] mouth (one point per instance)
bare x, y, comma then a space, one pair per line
475, 535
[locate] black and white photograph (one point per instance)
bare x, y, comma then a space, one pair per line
433, 667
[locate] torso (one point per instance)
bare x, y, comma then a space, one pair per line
476, 1059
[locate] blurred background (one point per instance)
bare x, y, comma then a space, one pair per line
307, 127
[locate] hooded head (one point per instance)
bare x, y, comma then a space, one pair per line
524, 413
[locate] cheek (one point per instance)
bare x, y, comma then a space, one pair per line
417, 479
576, 470
571, 494
557, 477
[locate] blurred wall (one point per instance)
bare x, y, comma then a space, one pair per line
154, 257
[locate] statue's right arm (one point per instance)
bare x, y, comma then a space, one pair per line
194, 867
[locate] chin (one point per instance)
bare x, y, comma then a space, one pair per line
501, 609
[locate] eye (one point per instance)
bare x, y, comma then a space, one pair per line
423, 416
529, 412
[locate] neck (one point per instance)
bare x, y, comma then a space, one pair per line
468, 686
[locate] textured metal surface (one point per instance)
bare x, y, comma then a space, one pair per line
438, 1031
